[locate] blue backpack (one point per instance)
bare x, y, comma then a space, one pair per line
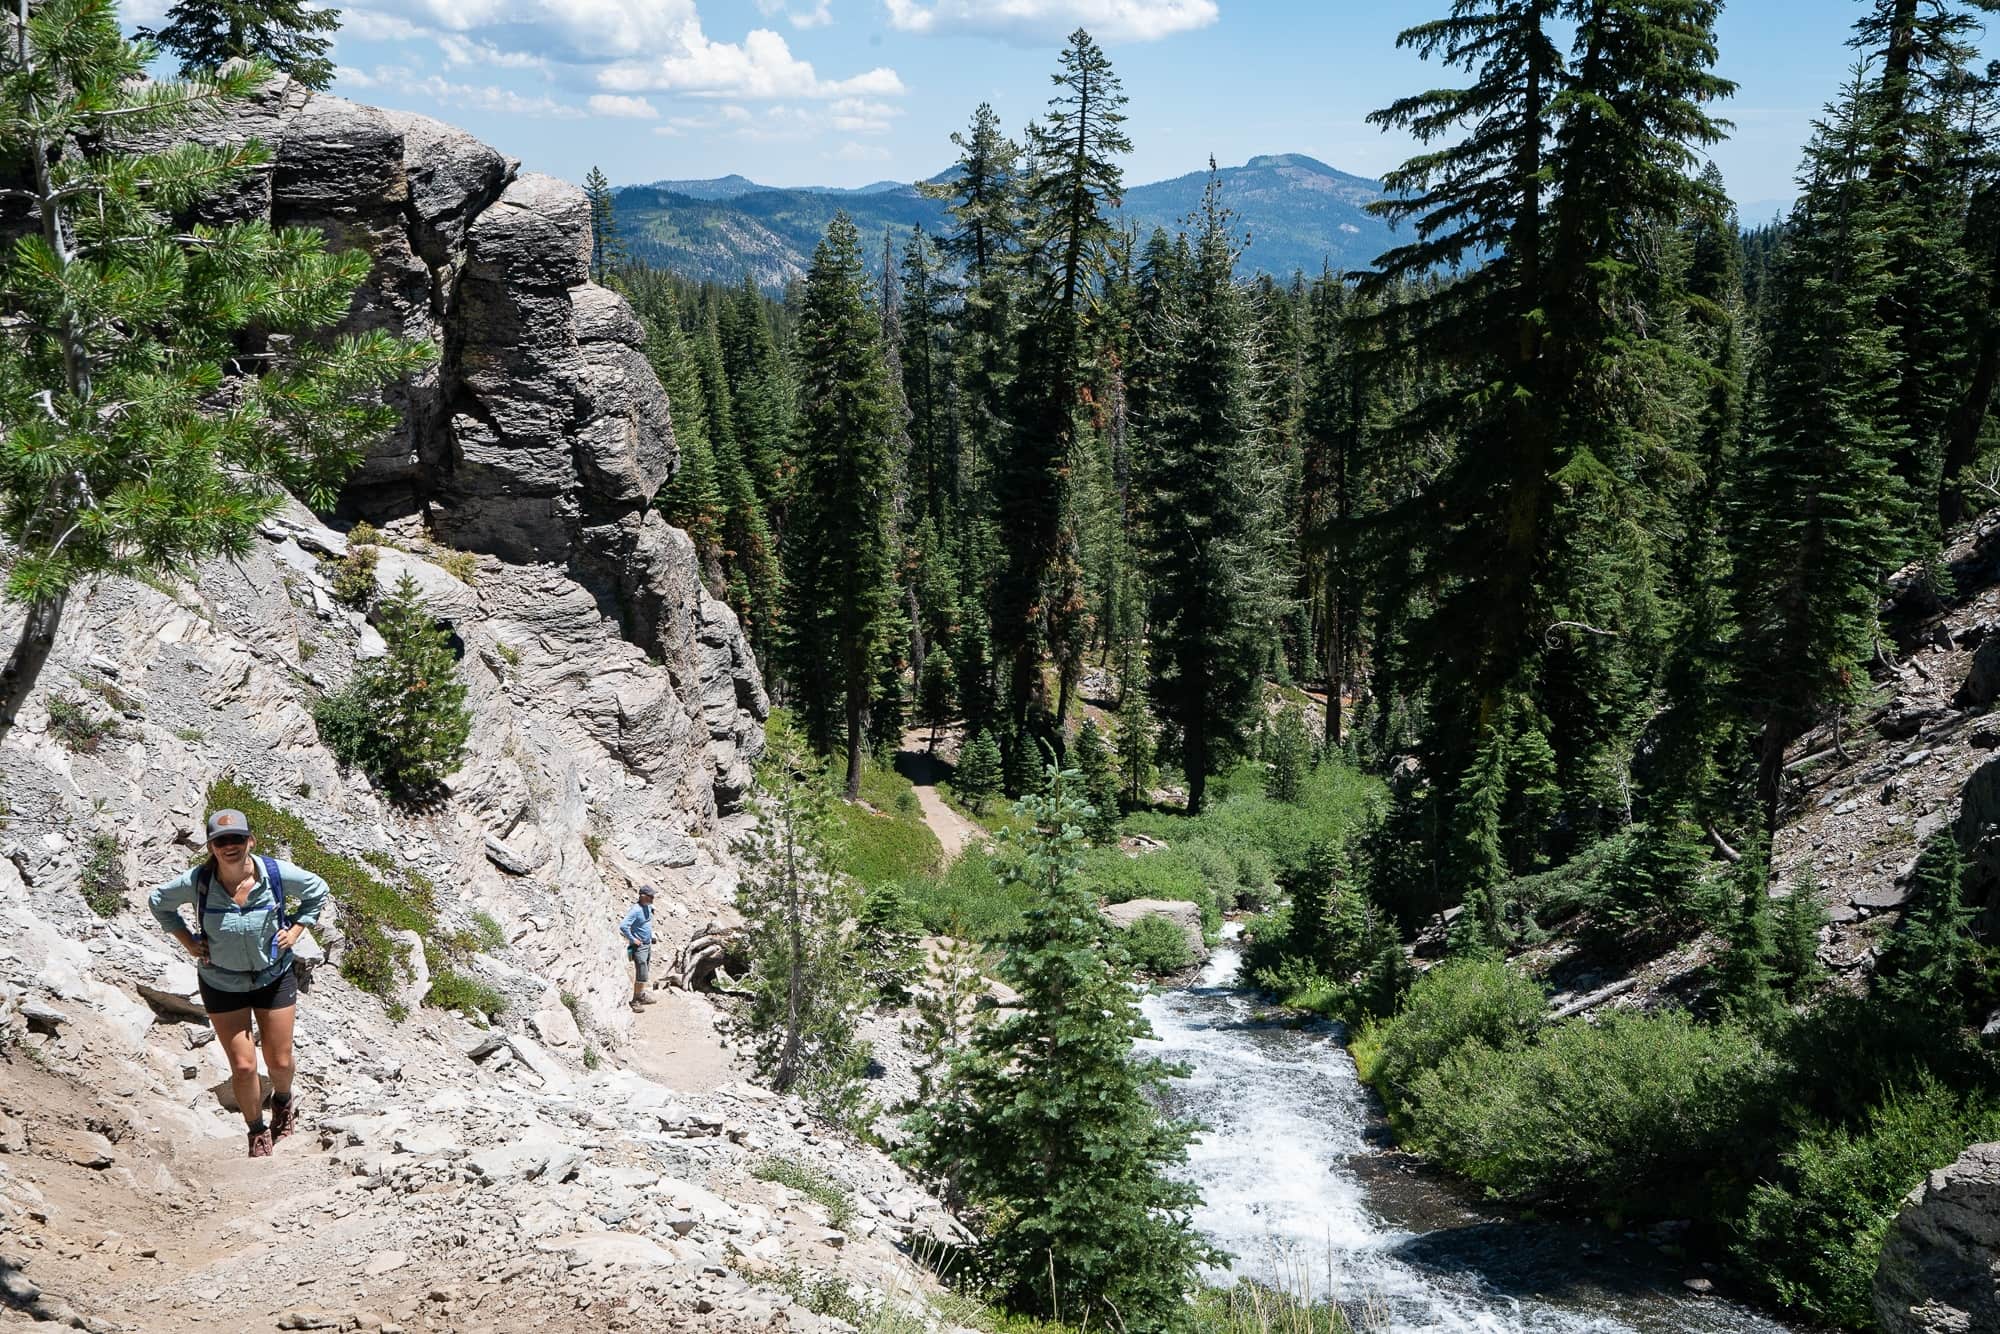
271, 873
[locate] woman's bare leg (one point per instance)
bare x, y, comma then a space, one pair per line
232, 1030
275, 1027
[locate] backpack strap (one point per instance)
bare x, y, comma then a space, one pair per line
277, 884
201, 879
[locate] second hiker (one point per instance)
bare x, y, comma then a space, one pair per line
637, 928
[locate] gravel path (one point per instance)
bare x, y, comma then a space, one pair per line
924, 770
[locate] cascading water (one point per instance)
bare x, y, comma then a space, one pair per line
1277, 1168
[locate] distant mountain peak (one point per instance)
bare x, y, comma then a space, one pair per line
1292, 160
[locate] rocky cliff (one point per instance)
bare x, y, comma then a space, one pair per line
460, 1170
1940, 1271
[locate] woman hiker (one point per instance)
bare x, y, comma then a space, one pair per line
244, 952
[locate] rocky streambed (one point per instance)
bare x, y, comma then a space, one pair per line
1297, 1187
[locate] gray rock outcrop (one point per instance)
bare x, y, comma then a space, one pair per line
1940, 1268
541, 435
1186, 916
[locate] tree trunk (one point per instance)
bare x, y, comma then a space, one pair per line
31, 651
857, 738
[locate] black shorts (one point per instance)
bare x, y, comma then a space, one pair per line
279, 994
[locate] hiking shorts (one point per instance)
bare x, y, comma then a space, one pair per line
642, 963
279, 994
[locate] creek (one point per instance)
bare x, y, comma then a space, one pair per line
1297, 1183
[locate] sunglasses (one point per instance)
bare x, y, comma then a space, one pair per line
230, 840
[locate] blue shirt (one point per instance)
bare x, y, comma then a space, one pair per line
638, 925
242, 946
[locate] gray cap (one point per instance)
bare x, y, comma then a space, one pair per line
227, 822
647, 891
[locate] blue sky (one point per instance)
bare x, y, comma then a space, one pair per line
843, 92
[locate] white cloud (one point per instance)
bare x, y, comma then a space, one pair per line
761, 66
1051, 20
443, 92
858, 152
629, 108
818, 16
634, 46
857, 115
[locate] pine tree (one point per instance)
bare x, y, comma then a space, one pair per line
1135, 740
886, 940
1290, 757
1745, 985
749, 552
403, 719
1934, 965
762, 395
926, 365
1074, 181
607, 252
1049, 1122
1820, 502
977, 777
120, 451
839, 585
1795, 928
1099, 784
1204, 530
935, 697
805, 981
945, 1014
982, 195
1315, 903
284, 34
692, 498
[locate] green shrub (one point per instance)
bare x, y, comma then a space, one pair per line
487, 935
1623, 1114
1335, 801
812, 1183
403, 719
1814, 1238
460, 565
1479, 1002
71, 722
1171, 873
970, 900
455, 991
369, 906
102, 877
1157, 945
352, 577
890, 843
591, 1059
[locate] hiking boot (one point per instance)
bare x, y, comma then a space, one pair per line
284, 1118
260, 1143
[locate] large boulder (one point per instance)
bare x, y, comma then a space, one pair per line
1186, 916
1940, 1267
541, 435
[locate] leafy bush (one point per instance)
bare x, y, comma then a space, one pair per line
1172, 873
969, 900
71, 722
812, 1183
369, 907
1814, 1239
890, 843
402, 720
487, 935
460, 565
1335, 801
455, 991
1599, 1114
352, 577
102, 877
1461, 1002
1157, 945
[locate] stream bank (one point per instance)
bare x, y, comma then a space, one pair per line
1297, 1185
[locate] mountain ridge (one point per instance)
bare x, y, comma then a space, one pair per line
1299, 212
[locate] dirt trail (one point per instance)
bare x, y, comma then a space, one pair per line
676, 1041
924, 769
